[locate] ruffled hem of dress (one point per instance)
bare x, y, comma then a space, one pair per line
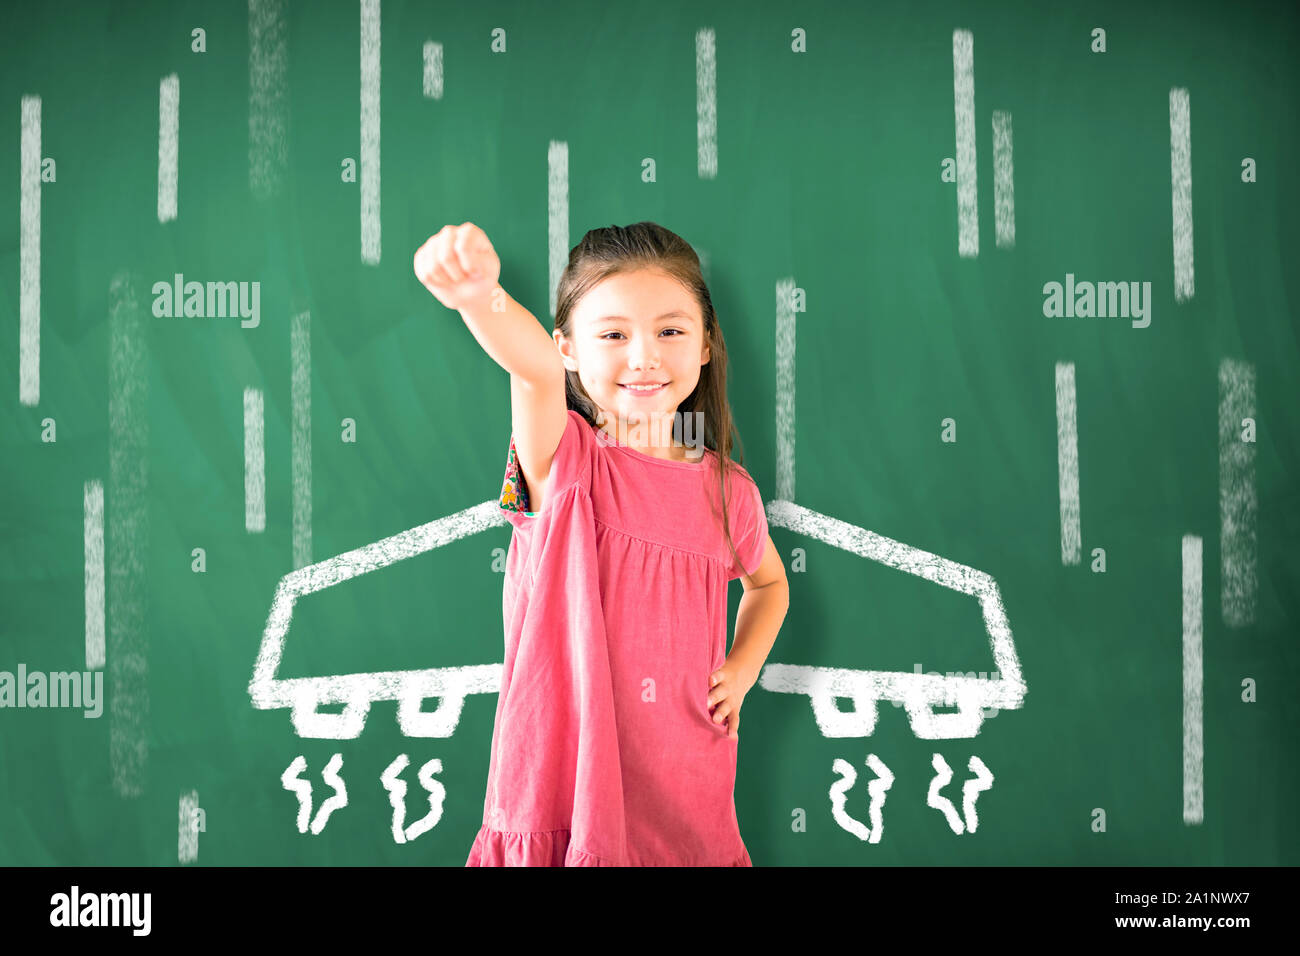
529, 848
543, 848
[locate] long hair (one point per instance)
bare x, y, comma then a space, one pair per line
646, 245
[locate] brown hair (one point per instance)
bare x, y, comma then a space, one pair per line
611, 250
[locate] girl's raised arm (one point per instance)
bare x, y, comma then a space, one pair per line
459, 266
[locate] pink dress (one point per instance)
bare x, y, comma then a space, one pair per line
604, 752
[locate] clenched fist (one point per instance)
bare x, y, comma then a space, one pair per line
458, 265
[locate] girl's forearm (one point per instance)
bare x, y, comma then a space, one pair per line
758, 621
513, 337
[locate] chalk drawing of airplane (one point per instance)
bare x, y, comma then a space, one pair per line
918, 693
356, 692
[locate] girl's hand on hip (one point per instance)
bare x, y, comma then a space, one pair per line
727, 693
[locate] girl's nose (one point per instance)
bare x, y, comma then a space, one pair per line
643, 357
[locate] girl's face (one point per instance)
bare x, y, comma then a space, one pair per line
636, 327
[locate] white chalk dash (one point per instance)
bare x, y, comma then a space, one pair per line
254, 462
557, 213
1004, 182
187, 845
1237, 495
1193, 730
785, 342
169, 138
963, 88
29, 258
300, 352
1067, 460
432, 70
706, 103
268, 113
1180, 163
128, 537
370, 73
93, 508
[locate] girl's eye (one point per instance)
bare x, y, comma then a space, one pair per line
608, 334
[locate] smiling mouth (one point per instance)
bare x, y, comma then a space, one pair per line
643, 390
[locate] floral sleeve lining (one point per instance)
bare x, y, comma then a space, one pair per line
514, 493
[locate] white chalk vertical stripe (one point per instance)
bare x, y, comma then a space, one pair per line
300, 349
254, 462
93, 522
1237, 496
706, 103
187, 843
432, 70
127, 656
1004, 182
268, 115
1067, 460
370, 62
169, 139
557, 210
785, 338
29, 262
1180, 162
1193, 731
963, 92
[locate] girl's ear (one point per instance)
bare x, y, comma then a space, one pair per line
565, 348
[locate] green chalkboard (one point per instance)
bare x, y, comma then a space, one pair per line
1011, 317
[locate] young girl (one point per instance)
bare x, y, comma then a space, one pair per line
615, 736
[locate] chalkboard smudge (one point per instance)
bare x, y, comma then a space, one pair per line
1004, 184
1237, 495
268, 118
128, 537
